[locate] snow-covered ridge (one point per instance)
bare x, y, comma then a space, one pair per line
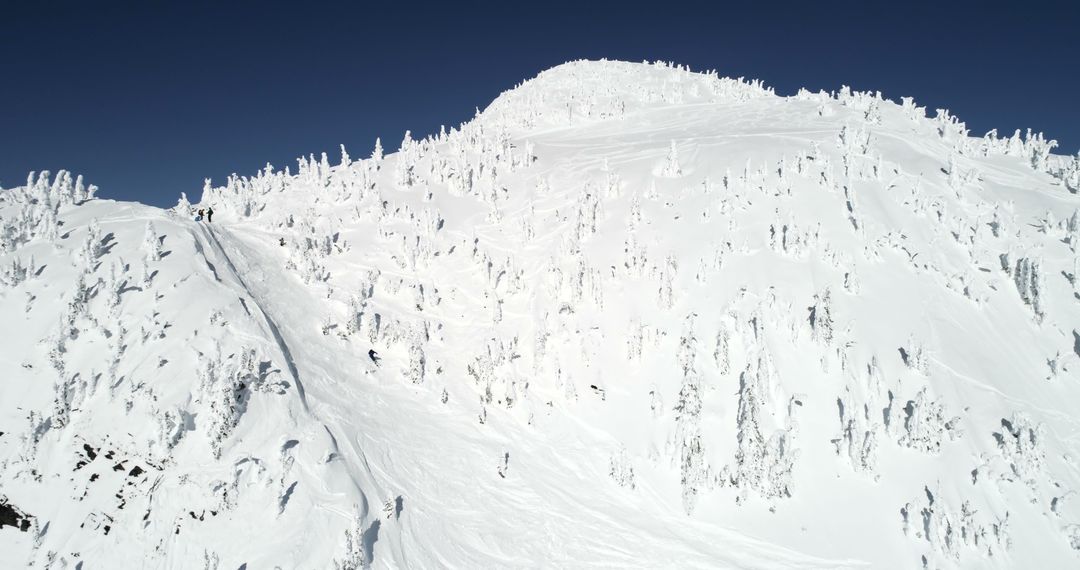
586, 91
629, 316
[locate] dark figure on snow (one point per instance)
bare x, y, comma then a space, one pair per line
282, 242
209, 215
198, 218
374, 356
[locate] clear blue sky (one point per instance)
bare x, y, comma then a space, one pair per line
148, 98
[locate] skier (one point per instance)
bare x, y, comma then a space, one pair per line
199, 215
374, 356
282, 242
209, 215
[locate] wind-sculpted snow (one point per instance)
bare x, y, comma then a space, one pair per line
629, 316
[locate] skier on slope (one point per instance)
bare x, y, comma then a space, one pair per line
374, 356
199, 215
209, 215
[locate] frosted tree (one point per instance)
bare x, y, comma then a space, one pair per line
92, 247
722, 351
666, 291
49, 226
636, 217
355, 557
915, 356
114, 287
621, 468
62, 401
1028, 277
417, 361
345, 160
170, 429
858, 432
79, 193
635, 338
59, 193
152, 243
635, 256
672, 168
403, 169
765, 453
1038, 149
183, 205
15, 273
324, 170
1020, 443
821, 321
377, 154
353, 315
911, 111
693, 468
686, 353
224, 389
926, 425
872, 115
1069, 173
689, 448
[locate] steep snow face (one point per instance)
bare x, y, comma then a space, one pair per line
133, 359
629, 316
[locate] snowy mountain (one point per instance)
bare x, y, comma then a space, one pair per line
628, 316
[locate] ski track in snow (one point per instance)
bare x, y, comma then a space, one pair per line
270, 324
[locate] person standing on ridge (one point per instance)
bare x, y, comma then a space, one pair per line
209, 215
199, 216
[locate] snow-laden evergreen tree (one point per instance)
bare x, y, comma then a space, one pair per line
152, 242
671, 167
377, 154
345, 160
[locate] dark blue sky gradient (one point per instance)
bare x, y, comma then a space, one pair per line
148, 98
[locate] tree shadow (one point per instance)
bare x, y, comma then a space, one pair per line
371, 535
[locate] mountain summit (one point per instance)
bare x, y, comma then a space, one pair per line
629, 316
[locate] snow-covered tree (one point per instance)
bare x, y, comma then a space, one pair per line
377, 154
152, 242
671, 167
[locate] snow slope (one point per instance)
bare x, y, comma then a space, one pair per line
629, 316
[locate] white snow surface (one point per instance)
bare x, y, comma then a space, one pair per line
629, 316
